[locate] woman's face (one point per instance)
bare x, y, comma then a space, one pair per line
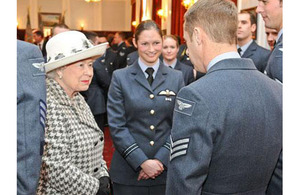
149, 46
77, 76
170, 49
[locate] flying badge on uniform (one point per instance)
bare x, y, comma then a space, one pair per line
184, 106
167, 93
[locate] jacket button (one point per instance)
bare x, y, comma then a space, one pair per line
151, 96
152, 127
96, 169
152, 112
101, 138
96, 143
151, 143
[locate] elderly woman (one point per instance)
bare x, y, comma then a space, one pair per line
72, 158
141, 100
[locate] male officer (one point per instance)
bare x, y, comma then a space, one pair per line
272, 35
31, 114
223, 140
246, 46
271, 11
122, 52
96, 95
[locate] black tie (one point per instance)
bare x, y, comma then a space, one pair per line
239, 51
150, 71
170, 67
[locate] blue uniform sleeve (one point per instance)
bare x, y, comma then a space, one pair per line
191, 144
124, 142
31, 94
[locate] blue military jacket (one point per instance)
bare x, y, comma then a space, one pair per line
31, 104
226, 133
140, 121
274, 66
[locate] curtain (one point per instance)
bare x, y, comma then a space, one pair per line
155, 8
177, 21
133, 10
177, 18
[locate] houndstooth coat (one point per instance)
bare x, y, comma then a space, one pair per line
72, 159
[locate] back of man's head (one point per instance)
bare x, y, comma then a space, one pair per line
217, 18
38, 33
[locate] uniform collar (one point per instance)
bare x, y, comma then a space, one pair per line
172, 65
143, 66
223, 56
245, 47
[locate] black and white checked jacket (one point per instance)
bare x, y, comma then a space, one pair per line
72, 160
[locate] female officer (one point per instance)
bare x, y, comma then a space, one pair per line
140, 105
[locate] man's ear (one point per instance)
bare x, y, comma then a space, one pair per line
253, 28
197, 35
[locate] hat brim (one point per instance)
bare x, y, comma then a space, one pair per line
97, 50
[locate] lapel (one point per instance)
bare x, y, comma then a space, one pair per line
139, 76
279, 42
160, 76
250, 50
141, 79
177, 66
233, 64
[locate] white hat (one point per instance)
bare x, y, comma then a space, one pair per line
68, 47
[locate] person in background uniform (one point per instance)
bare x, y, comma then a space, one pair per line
130, 45
110, 58
271, 11
183, 57
132, 57
271, 36
96, 94
248, 48
119, 39
140, 108
223, 140
169, 52
40, 41
73, 161
31, 113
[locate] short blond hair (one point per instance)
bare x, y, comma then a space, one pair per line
218, 19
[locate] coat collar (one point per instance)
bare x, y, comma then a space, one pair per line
233, 64
141, 79
77, 103
250, 50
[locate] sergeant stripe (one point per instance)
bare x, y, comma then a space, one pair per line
43, 108
179, 147
177, 154
181, 141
